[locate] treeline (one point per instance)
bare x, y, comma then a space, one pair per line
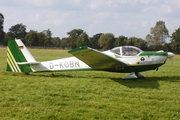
155, 40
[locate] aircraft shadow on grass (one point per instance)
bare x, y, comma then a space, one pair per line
140, 83
147, 83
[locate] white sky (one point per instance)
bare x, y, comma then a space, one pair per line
131, 18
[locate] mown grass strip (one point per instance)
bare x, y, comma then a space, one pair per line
88, 94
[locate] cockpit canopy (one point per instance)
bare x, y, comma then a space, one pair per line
126, 50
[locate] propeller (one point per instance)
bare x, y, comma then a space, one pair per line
170, 55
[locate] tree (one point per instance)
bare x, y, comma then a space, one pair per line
93, 41
56, 41
106, 41
82, 40
18, 31
175, 40
158, 35
1, 21
41, 39
32, 38
120, 41
138, 42
48, 38
72, 38
64, 43
2, 33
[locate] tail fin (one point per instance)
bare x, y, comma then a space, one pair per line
17, 53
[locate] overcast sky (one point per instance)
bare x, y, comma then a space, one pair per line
131, 18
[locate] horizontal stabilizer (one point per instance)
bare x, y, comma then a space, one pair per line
28, 63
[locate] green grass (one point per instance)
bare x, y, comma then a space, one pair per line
88, 94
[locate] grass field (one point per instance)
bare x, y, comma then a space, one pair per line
88, 94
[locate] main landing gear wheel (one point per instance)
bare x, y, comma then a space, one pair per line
139, 75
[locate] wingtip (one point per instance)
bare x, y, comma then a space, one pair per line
77, 49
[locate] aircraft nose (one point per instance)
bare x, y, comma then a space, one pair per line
170, 54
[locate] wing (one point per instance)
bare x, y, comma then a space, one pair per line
96, 59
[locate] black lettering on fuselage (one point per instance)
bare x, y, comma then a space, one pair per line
76, 63
51, 65
61, 65
69, 64
66, 64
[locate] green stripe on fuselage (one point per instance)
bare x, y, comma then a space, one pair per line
153, 54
